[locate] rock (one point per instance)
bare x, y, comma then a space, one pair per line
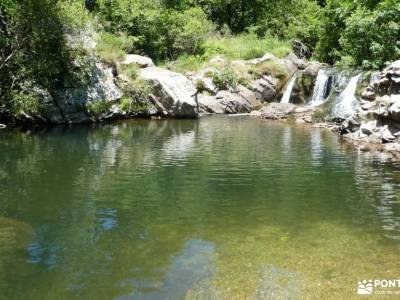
392, 147
264, 90
141, 61
210, 104
174, 91
277, 110
368, 128
256, 114
312, 69
203, 83
266, 57
394, 111
249, 96
233, 103
349, 125
72, 101
300, 63
386, 135
369, 94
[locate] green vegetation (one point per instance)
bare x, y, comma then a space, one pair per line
271, 68
35, 35
226, 79
98, 108
246, 46
131, 105
25, 103
112, 48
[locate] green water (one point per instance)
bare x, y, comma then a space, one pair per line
220, 208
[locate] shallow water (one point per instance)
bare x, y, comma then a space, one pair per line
220, 208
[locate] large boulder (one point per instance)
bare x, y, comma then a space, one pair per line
241, 101
140, 61
233, 103
210, 104
174, 92
265, 88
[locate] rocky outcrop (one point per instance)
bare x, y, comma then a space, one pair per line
241, 101
174, 93
378, 118
71, 102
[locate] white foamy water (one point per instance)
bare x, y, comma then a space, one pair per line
347, 101
321, 84
289, 88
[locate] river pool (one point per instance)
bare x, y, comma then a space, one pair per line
217, 208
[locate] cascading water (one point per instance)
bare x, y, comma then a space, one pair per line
320, 88
289, 88
347, 101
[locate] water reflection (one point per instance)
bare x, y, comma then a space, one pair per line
222, 207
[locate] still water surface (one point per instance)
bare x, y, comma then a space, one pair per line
220, 208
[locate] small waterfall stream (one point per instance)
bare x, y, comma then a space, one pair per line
289, 88
320, 88
347, 101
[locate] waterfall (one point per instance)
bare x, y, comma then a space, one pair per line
347, 103
320, 88
289, 88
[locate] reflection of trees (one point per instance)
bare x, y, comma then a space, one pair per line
112, 206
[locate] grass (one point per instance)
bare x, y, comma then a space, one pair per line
111, 48
240, 47
131, 70
25, 104
98, 108
270, 68
131, 105
245, 46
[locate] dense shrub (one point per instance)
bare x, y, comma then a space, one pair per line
226, 79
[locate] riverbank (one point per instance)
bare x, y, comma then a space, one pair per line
362, 106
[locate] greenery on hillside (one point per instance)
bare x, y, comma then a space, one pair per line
34, 50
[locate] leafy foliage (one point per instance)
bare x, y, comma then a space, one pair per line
226, 79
